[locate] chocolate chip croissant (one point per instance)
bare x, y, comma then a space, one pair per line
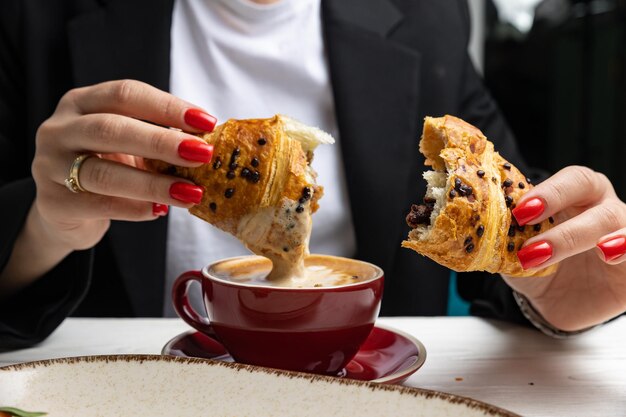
465, 222
260, 186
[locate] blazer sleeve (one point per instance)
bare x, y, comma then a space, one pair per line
489, 295
31, 315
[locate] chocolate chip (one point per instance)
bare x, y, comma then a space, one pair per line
477, 217
469, 248
261, 141
465, 190
302, 200
452, 194
286, 249
233, 166
217, 164
494, 180
255, 177
213, 207
521, 185
509, 200
507, 166
551, 220
457, 183
507, 183
230, 175
299, 209
511, 231
480, 173
291, 226
467, 241
521, 228
306, 193
229, 192
480, 231
510, 247
255, 162
420, 214
245, 172
236, 153
537, 227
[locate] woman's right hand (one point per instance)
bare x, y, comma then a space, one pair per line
121, 123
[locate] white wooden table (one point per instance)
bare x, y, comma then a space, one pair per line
516, 368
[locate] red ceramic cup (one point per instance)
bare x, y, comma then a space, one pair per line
316, 329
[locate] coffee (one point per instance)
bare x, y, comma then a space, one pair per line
319, 271
311, 324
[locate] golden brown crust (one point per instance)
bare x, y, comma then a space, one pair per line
455, 241
279, 173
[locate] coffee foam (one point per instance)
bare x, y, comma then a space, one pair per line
319, 271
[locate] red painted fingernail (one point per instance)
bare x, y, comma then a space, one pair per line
200, 120
187, 193
159, 209
613, 248
528, 210
195, 150
535, 254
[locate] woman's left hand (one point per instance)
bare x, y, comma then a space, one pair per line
589, 241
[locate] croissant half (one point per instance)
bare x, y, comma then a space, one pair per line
260, 186
465, 222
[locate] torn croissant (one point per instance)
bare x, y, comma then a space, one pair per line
260, 187
465, 222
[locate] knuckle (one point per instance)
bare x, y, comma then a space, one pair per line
45, 130
159, 142
123, 91
611, 214
170, 107
106, 128
583, 176
41, 167
568, 238
558, 194
71, 95
153, 187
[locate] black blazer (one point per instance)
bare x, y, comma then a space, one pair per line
391, 64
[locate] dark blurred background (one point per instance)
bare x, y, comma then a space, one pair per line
558, 70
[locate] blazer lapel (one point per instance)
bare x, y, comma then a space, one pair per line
376, 97
107, 44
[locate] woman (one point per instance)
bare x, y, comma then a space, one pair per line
69, 86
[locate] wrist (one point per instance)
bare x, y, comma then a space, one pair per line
36, 251
540, 322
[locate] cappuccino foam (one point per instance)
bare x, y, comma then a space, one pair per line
319, 271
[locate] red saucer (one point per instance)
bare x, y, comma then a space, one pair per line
388, 356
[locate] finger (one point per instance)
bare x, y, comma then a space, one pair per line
89, 206
612, 247
111, 178
573, 186
110, 133
576, 235
141, 101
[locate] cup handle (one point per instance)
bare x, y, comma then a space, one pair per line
180, 298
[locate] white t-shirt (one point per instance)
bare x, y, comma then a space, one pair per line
238, 59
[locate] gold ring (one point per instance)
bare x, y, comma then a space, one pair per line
71, 182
